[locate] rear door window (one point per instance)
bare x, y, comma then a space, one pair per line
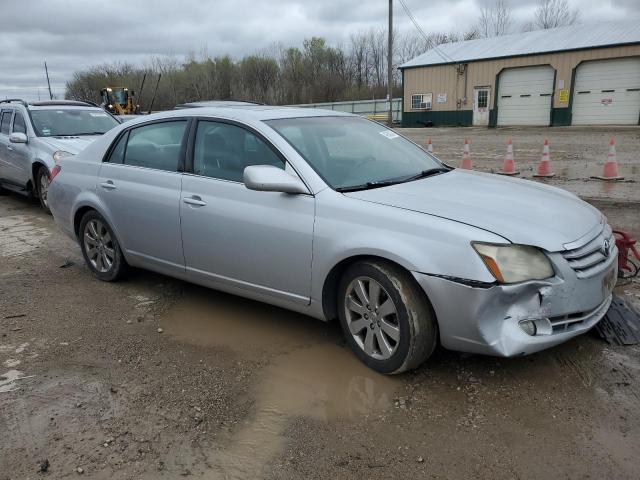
156, 146
5, 121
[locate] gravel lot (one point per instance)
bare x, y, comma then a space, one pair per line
230, 388
577, 153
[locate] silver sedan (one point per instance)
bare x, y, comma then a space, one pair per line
336, 216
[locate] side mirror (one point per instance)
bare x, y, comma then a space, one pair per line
18, 137
267, 178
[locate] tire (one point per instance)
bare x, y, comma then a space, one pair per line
100, 248
387, 341
42, 188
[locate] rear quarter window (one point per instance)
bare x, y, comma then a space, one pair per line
117, 152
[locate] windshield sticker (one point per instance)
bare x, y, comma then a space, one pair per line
389, 134
46, 131
98, 114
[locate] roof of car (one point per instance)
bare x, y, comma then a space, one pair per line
47, 103
243, 112
66, 104
62, 103
214, 103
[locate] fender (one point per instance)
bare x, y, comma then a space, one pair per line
419, 242
89, 199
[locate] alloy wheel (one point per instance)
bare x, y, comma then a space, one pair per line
372, 318
43, 188
99, 246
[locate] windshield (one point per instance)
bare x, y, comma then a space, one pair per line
71, 122
349, 152
119, 96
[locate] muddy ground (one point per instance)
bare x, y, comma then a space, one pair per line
236, 389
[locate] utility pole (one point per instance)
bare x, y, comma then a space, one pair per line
390, 66
46, 71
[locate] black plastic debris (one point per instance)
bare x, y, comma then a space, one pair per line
44, 465
621, 324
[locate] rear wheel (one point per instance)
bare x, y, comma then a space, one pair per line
42, 188
100, 248
385, 317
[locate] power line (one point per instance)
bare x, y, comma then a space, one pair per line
430, 42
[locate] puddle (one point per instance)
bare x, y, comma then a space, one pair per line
19, 236
310, 374
209, 318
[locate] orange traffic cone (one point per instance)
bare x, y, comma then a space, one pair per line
610, 171
509, 165
467, 164
544, 167
430, 146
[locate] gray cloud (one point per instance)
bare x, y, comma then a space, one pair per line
73, 35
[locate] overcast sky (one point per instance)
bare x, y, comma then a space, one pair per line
76, 34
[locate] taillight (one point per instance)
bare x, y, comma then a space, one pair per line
54, 171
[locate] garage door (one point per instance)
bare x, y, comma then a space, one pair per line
607, 92
524, 96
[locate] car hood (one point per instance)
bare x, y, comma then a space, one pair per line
70, 144
521, 211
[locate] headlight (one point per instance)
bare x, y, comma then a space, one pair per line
60, 154
514, 263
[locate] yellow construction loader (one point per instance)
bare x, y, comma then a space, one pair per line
119, 101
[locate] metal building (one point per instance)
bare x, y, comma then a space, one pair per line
576, 75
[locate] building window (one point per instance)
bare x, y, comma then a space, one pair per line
421, 101
482, 98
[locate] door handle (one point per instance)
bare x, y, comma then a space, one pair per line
108, 185
9, 147
194, 200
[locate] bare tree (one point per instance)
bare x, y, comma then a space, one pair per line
554, 13
279, 74
495, 19
360, 58
472, 34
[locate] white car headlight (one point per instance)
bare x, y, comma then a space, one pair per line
60, 154
514, 263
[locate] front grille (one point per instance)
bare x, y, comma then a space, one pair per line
564, 323
587, 259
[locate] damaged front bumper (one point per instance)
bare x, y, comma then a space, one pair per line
486, 318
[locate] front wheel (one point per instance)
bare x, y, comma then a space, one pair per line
100, 248
42, 188
385, 317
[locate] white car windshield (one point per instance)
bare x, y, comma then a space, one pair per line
352, 153
71, 122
